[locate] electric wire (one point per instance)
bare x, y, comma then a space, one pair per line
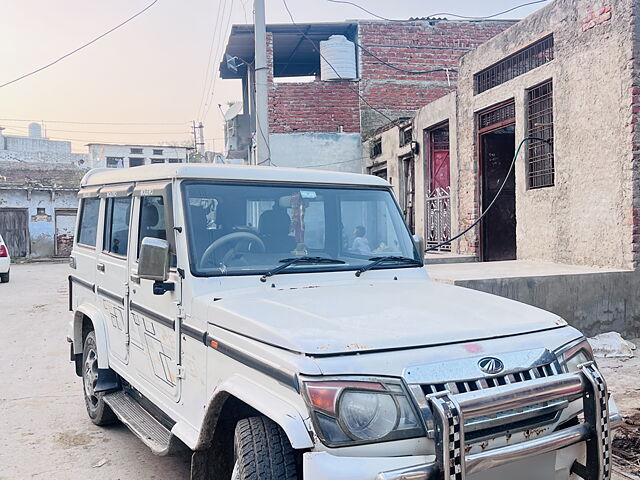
90, 123
223, 33
441, 13
400, 69
355, 90
206, 76
504, 182
33, 72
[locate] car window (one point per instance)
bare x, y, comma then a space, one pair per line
116, 228
89, 222
151, 219
249, 229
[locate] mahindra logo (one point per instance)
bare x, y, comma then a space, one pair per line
491, 365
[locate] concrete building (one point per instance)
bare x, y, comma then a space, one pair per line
567, 74
237, 133
317, 118
39, 181
36, 148
120, 156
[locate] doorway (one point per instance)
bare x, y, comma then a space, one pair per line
497, 147
14, 228
409, 191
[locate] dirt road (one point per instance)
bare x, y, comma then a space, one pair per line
45, 429
45, 432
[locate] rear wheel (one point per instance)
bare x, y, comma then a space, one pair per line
99, 412
4, 277
262, 451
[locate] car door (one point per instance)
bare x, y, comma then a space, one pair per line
83, 258
112, 269
155, 344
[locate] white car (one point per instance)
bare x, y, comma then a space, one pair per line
5, 262
281, 325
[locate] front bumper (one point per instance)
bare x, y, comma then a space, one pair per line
583, 449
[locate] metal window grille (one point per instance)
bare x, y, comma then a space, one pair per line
157, 151
540, 162
406, 135
376, 148
136, 151
497, 115
527, 59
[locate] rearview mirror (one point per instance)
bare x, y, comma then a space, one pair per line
154, 259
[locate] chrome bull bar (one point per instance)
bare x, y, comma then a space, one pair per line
450, 411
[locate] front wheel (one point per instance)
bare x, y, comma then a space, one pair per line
99, 412
262, 451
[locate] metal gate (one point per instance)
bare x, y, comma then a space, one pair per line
438, 198
65, 228
14, 228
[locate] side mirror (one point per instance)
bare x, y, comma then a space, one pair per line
154, 259
419, 243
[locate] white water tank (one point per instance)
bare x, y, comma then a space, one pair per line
337, 59
35, 130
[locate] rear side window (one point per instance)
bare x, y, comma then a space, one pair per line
89, 222
116, 225
151, 219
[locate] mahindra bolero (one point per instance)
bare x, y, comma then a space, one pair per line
280, 324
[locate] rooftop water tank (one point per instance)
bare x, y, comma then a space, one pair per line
337, 59
35, 130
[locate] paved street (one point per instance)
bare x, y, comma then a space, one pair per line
45, 430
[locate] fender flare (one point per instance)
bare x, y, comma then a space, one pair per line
264, 401
97, 319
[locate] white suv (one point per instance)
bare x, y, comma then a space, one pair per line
280, 324
5, 262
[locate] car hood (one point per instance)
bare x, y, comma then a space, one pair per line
373, 315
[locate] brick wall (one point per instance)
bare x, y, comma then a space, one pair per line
311, 107
419, 45
329, 107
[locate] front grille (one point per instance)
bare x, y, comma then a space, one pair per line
475, 384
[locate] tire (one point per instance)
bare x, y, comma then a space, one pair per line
99, 412
4, 277
262, 451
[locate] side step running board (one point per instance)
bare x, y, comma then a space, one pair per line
144, 425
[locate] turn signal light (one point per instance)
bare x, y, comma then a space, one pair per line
3, 251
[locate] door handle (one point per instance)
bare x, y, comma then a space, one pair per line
135, 278
100, 267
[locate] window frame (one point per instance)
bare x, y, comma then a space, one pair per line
532, 132
136, 151
81, 216
315, 269
108, 219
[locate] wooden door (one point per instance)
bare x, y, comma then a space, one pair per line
14, 228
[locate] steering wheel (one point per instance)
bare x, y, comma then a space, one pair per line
236, 237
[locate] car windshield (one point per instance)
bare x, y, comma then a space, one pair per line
243, 229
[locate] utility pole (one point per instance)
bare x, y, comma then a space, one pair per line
200, 144
263, 152
195, 139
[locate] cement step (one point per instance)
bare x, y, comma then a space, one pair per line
144, 425
439, 258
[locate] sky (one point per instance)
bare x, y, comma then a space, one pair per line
153, 71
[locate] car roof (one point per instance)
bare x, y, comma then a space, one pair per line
179, 171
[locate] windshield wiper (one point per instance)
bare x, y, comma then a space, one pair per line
378, 260
287, 262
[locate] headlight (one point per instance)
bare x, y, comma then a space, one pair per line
356, 412
576, 353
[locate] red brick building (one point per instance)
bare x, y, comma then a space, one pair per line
320, 123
